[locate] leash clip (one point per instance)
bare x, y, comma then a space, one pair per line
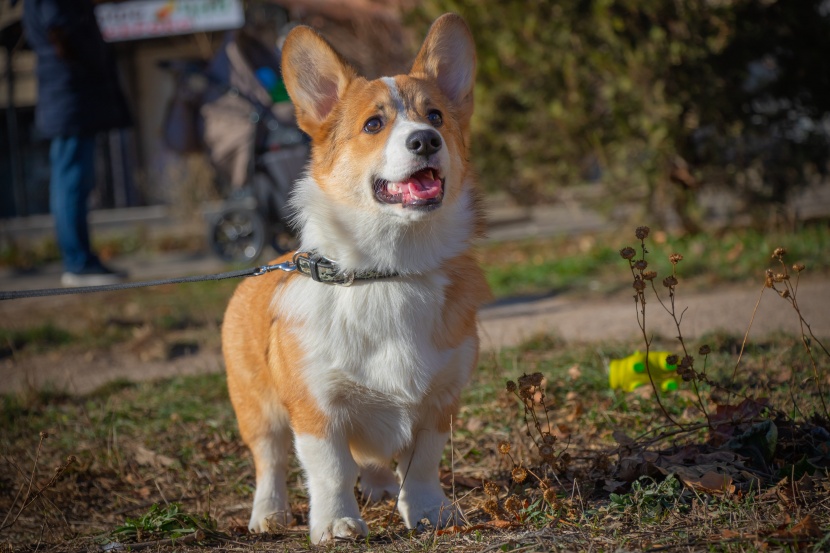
288, 267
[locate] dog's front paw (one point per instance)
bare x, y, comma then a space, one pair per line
269, 517
346, 528
435, 507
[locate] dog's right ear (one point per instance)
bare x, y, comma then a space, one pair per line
315, 76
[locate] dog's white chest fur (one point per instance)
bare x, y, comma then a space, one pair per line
370, 358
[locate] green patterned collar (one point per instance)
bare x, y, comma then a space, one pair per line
322, 269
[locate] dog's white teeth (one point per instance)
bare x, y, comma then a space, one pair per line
394, 188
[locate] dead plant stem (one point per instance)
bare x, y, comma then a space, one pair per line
640, 298
743, 343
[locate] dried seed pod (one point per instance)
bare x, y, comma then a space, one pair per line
492, 489
491, 507
550, 497
519, 474
513, 504
628, 252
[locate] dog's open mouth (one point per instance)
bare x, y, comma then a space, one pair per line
423, 189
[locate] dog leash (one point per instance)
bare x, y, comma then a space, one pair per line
311, 264
253, 271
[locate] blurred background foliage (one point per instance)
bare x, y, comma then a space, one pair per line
654, 100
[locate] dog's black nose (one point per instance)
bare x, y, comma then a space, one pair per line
424, 142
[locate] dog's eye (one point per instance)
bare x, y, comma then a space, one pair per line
435, 118
373, 125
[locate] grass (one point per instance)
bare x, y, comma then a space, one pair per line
590, 263
163, 521
157, 461
26, 255
35, 338
164, 316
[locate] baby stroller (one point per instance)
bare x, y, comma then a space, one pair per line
252, 142
255, 214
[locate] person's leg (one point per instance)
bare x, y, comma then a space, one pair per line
72, 179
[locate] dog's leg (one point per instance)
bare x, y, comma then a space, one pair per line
331, 474
377, 482
271, 450
421, 494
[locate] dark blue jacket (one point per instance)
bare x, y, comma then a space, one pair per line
78, 90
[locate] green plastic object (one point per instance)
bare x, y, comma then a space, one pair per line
630, 373
279, 93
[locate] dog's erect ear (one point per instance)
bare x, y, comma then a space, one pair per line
315, 76
448, 56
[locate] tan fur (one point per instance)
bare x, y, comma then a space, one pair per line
466, 292
259, 354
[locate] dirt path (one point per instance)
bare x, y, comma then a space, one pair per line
726, 309
571, 319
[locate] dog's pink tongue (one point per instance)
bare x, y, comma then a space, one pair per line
422, 186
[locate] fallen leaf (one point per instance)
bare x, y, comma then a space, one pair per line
460, 480
622, 438
728, 534
614, 485
562, 430
808, 527
148, 457
651, 456
802, 534
758, 442
632, 468
474, 424
727, 418
721, 456
576, 412
702, 478
574, 372
714, 482
789, 492
490, 525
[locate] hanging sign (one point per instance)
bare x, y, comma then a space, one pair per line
138, 19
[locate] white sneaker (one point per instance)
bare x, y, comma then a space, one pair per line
93, 276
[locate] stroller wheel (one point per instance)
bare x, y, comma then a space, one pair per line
238, 235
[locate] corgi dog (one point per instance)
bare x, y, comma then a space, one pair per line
360, 354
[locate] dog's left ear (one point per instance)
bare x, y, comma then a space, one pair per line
315, 76
448, 56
